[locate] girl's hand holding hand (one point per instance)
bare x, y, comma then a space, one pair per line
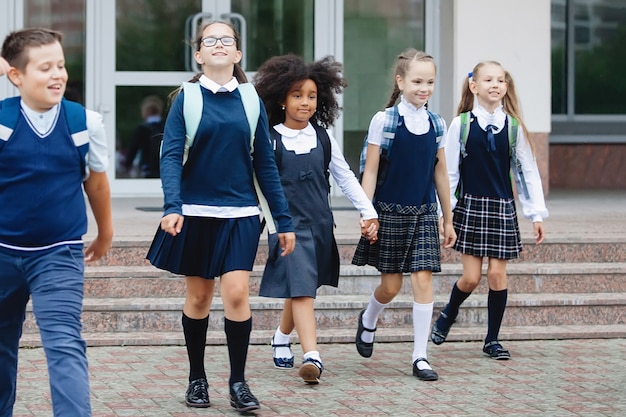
287, 242
172, 223
449, 235
369, 229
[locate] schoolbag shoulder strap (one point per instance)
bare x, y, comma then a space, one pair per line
192, 113
438, 124
464, 131
252, 107
9, 113
325, 140
392, 116
76, 117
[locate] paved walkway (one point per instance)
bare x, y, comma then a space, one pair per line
544, 378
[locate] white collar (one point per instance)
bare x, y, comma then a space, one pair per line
286, 132
214, 87
407, 109
497, 118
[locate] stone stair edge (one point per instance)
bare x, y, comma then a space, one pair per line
354, 270
383, 335
338, 302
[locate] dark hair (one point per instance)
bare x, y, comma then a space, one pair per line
276, 77
510, 102
15, 45
238, 72
402, 65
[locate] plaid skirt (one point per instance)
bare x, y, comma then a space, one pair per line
408, 241
487, 227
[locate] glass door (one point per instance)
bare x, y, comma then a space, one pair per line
138, 51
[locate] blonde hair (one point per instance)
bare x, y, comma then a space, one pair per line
403, 62
510, 102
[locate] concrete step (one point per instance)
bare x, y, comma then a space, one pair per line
346, 335
148, 281
127, 253
110, 315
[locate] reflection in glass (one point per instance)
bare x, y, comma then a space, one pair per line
141, 113
375, 32
68, 17
151, 34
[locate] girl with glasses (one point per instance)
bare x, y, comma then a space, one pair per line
211, 226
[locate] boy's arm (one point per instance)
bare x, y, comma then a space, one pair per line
99, 195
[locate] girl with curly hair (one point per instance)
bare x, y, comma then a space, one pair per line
301, 105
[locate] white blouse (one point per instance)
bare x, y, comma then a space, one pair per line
303, 141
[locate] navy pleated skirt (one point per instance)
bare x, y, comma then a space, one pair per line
207, 247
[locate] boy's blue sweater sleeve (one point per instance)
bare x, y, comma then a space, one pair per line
172, 157
268, 177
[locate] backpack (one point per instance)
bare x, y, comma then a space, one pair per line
516, 165
275, 137
192, 113
392, 120
76, 118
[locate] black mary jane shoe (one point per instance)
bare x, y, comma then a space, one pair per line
494, 350
365, 349
197, 395
424, 374
440, 329
241, 399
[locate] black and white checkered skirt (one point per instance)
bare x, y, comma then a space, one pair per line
408, 241
487, 227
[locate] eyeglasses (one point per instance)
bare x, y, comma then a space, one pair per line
226, 41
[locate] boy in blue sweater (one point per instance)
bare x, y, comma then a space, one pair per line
50, 151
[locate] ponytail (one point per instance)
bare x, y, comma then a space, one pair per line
467, 97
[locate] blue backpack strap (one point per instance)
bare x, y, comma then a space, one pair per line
252, 107
390, 126
76, 117
438, 124
9, 113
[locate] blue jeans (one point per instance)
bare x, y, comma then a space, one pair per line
54, 279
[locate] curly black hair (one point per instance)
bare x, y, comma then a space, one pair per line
276, 76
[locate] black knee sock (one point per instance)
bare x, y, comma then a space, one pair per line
456, 299
238, 339
195, 339
496, 303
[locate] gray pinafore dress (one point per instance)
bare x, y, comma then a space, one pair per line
315, 259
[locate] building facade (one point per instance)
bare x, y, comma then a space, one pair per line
565, 57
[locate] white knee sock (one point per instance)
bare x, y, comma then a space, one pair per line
370, 318
282, 339
422, 315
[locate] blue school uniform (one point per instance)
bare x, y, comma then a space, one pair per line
214, 189
408, 238
41, 256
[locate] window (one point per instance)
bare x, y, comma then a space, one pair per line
587, 57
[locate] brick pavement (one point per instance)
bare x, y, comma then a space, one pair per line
545, 378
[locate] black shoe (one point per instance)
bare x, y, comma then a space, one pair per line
365, 349
440, 329
495, 351
197, 394
424, 374
241, 399
311, 370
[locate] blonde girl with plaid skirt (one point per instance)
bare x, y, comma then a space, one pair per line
485, 217
408, 238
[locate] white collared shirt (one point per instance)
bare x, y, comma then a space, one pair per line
303, 141
214, 87
43, 123
416, 121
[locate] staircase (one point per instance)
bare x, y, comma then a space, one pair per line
558, 290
